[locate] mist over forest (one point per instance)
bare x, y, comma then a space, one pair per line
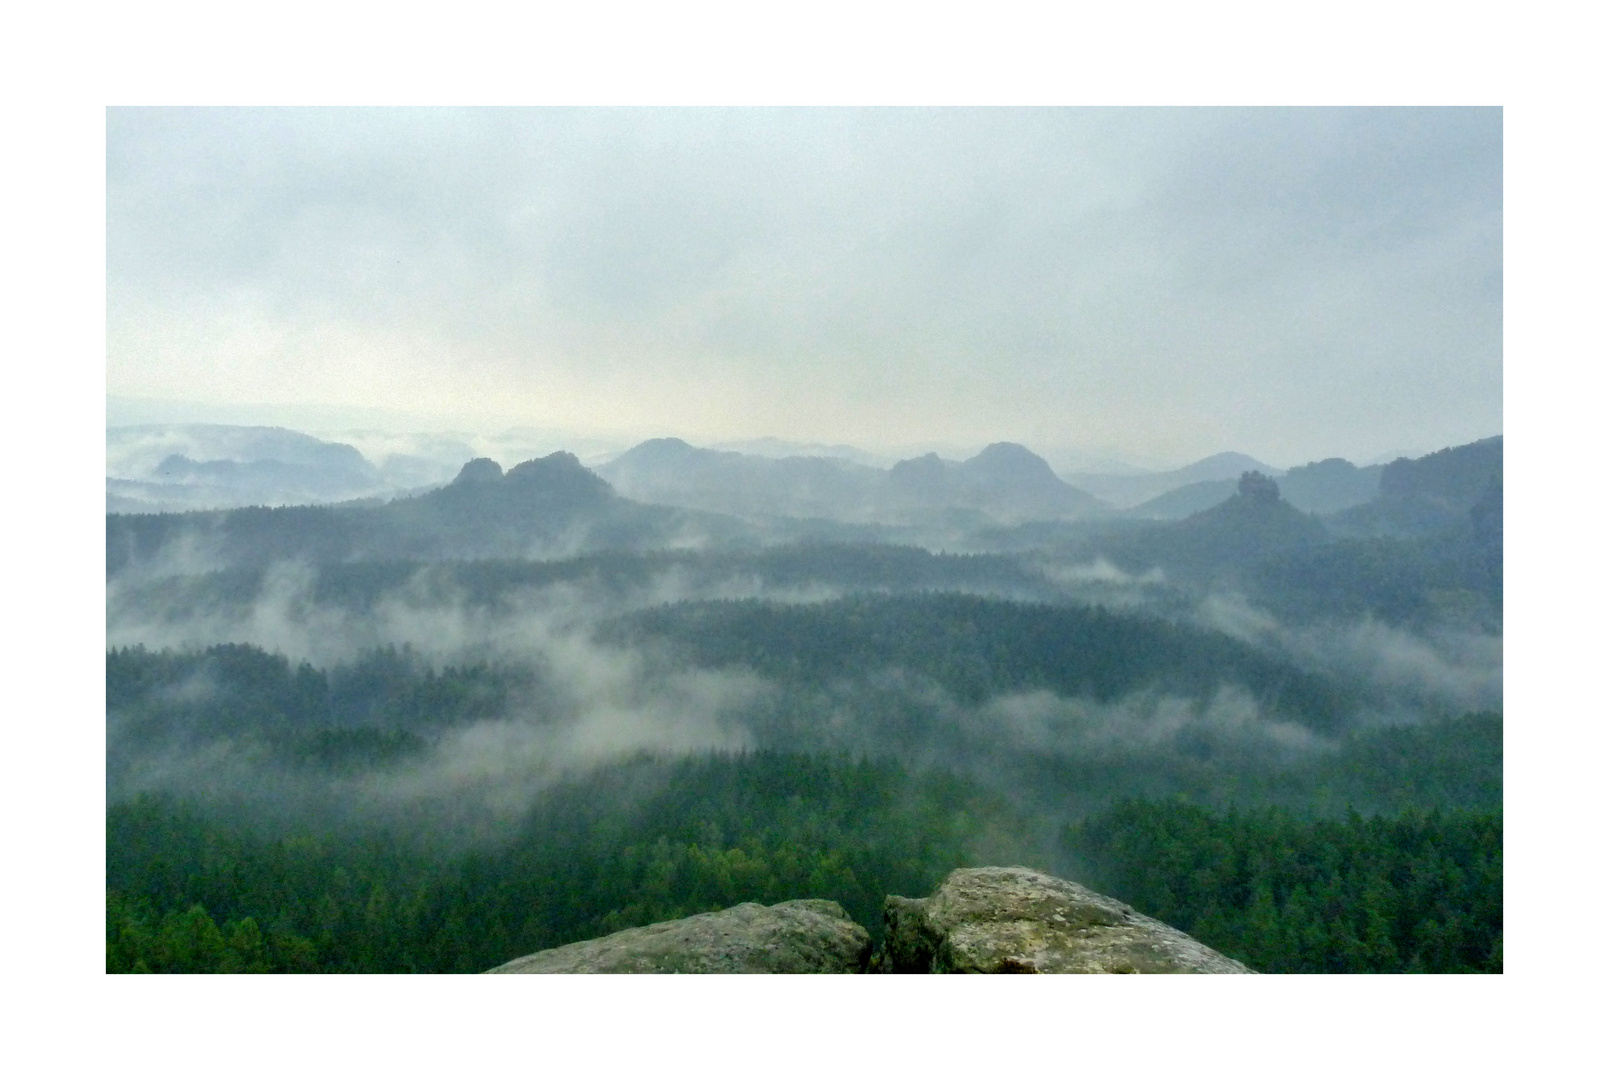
436, 710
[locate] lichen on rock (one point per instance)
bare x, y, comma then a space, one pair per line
797, 937
987, 920
1009, 919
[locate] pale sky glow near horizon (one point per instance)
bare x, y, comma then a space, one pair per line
1151, 284
1157, 286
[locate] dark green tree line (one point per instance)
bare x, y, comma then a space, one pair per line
1415, 892
638, 842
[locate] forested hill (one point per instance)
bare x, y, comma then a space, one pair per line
1004, 482
1254, 523
977, 647
1428, 495
1427, 550
625, 578
191, 889
545, 507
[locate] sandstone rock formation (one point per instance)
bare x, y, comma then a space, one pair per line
798, 936
989, 919
1010, 919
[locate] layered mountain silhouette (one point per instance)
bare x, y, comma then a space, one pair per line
1429, 550
1319, 487
1431, 494
675, 473
1004, 483
175, 467
543, 508
1252, 524
163, 468
1449, 502
1128, 490
1181, 502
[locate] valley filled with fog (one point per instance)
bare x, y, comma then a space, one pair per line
455, 665
527, 524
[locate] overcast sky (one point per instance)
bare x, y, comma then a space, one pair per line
1155, 284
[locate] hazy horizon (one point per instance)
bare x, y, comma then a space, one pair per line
438, 712
1145, 286
359, 426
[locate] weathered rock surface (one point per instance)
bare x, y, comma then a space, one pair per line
798, 936
1009, 919
987, 920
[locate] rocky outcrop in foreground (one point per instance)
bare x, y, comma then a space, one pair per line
991, 919
1009, 919
798, 936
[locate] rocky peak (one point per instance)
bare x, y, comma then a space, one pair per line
1259, 488
1013, 920
669, 447
479, 471
1009, 462
927, 479
560, 473
984, 920
929, 468
1456, 477
797, 937
482, 492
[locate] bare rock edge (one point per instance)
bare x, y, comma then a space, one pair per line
983, 920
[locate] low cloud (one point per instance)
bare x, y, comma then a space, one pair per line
1410, 672
592, 702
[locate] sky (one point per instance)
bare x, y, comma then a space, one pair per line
1542, 66
1151, 285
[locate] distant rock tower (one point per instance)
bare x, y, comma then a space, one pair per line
1255, 487
480, 471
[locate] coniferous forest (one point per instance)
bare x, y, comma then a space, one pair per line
428, 736
842, 539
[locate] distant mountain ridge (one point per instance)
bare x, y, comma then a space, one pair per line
1450, 491
543, 508
1005, 482
1421, 496
1252, 524
1128, 490
772, 447
672, 472
1428, 546
177, 467
669, 495
1320, 487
